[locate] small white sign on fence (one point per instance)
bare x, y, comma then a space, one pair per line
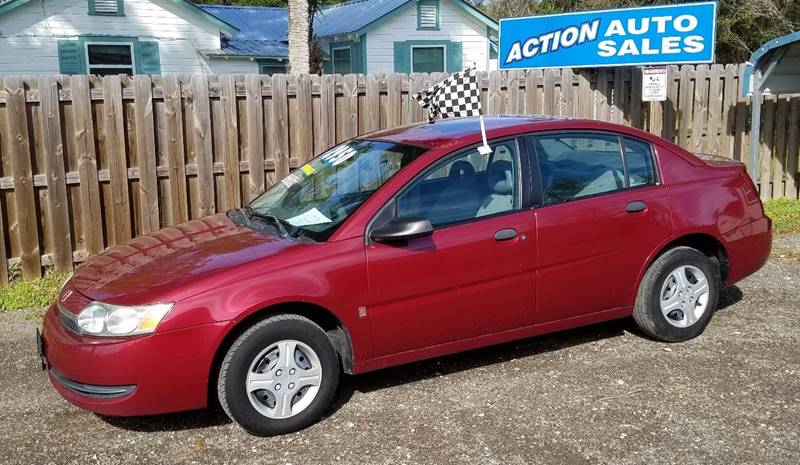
654, 84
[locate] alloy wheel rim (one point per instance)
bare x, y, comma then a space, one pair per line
284, 379
684, 296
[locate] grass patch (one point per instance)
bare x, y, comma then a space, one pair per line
785, 214
35, 293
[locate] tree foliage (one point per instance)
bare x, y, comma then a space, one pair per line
743, 25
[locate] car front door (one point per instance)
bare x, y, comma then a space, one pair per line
602, 213
474, 274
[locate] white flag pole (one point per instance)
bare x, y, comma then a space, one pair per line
484, 149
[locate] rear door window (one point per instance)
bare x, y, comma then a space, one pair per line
579, 165
575, 165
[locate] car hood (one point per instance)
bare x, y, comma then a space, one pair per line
159, 267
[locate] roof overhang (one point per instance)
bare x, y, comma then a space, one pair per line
11, 4
185, 5
466, 6
775, 67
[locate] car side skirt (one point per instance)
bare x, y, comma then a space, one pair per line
490, 339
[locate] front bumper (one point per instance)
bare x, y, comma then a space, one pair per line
145, 375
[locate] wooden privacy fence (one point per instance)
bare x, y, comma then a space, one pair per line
88, 162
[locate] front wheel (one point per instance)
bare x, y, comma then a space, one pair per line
279, 376
678, 295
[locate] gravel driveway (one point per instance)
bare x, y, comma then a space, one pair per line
601, 394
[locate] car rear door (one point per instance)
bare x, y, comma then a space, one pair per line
474, 274
601, 212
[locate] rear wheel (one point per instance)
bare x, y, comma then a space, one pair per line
678, 295
279, 376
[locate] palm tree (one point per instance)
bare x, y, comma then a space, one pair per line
299, 36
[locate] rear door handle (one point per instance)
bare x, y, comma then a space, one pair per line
636, 206
505, 234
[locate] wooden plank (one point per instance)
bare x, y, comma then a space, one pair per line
728, 112
565, 106
685, 106
585, 97
513, 95
741, 147
85, 153
671, 104
57, 203
18, 143
394, 103
602, 97
203, 145
372, 120
149, 218
715, 99
416, 84
494, 100
255, 132
327, 121
230, 157
767, 134
550, 102
779, 148
533, 100
117, 162
280, 125
350, 109
618, 96
793, 146
637, 116
700, 107
3, 252
176, 161
301, 123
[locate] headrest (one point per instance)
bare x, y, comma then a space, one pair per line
500, 178
461, 173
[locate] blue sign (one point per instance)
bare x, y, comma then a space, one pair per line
654, 35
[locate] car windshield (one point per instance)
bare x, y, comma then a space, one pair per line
315, 199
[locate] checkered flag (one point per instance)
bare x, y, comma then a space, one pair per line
457, 96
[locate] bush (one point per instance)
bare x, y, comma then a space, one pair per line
785, 214
35, 293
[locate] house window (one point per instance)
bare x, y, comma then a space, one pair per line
428, 14
110, 58
272, 67
106, 7
428, 59
342, 60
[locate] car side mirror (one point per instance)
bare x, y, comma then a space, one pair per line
401, 229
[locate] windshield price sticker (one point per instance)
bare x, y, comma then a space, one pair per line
632, 36
339, 155
654, 84
290, 180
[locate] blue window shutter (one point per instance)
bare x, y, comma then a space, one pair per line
454, 63
71, 57
149, 60
402, 59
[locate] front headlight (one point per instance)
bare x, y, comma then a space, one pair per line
102, 319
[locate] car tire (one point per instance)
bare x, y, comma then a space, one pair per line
269, 371
671, 304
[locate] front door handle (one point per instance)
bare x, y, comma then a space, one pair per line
636, 206
505, 234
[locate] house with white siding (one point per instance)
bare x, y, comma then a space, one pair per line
110, 37
178, 36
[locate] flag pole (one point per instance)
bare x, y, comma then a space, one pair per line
484, 149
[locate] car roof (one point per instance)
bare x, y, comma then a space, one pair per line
454, 133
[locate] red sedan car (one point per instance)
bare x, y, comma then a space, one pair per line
398, 246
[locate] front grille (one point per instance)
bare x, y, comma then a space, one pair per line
93, 390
